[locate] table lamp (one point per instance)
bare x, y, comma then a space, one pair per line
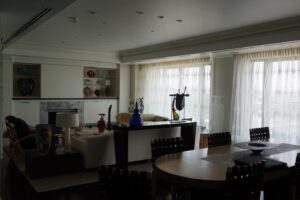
67, 120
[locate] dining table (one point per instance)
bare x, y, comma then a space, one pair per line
206, 168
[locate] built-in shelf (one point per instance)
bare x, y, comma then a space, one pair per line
100, 83
26, 80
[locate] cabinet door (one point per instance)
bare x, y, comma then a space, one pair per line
29, 111
93, 107
61, 81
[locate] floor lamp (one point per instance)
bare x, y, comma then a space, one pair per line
67, 120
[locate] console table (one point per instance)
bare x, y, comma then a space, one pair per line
188, 133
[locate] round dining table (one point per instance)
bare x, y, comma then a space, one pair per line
206, 168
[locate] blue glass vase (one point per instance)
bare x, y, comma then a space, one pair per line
136, 119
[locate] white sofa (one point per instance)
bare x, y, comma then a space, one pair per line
100, 150
96, 149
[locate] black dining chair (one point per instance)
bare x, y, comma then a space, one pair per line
218, 139
296, 178
262, 133
164, 146
244, 181
116, 183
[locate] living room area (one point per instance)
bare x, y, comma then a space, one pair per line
126, 73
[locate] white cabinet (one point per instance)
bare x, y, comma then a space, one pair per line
93, 107
29, 111
61, 81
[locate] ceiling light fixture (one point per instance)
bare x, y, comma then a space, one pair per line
161, 17
179, 20
104, 23
91, 12
152, 31
73, 19
139, 12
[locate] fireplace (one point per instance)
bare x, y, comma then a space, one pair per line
48, 110
52, 114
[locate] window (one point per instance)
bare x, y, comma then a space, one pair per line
267, 93
157, 81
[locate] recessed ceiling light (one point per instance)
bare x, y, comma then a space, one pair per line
179, 20
92, 12
73, 19
104, 23
139, 12
152, 31
161, 17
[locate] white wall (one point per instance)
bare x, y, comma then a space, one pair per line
124, 93
222, 86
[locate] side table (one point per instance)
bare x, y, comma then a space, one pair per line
39, 165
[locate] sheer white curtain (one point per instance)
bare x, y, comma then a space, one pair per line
158, 80
266, 92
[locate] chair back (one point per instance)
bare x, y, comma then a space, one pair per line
244, 181
163, 146
116, 183
218, 139
259, 133
296, 177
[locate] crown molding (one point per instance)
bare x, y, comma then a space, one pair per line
55, 52
266, 33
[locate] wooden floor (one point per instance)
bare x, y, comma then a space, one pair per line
15, 187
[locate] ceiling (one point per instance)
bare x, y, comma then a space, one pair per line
116, 25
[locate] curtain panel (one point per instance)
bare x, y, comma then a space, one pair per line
266, 92
158, 80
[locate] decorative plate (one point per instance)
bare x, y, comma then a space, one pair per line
257, 146
87, 91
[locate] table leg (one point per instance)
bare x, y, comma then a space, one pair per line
121, 147
188, 134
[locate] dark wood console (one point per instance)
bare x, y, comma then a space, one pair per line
188, 133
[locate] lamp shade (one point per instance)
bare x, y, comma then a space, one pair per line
67, 119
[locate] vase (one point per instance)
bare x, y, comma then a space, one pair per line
44, 138
136, 119
25, 86
101, 123
108, 118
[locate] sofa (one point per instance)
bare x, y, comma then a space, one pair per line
124, 118
98, 149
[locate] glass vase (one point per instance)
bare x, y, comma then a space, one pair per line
101, 123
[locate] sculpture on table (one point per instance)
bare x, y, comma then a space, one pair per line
108, 127
140, 102
178, 102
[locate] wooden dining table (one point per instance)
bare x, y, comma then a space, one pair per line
206, 168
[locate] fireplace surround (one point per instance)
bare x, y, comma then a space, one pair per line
48, 110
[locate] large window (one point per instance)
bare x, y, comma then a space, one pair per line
267, 93
157, 81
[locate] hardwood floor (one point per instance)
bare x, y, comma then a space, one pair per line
15, 187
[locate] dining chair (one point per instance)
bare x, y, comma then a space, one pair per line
117, 183
296, 178
164, 146
218, 139
244, 181
262, 133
